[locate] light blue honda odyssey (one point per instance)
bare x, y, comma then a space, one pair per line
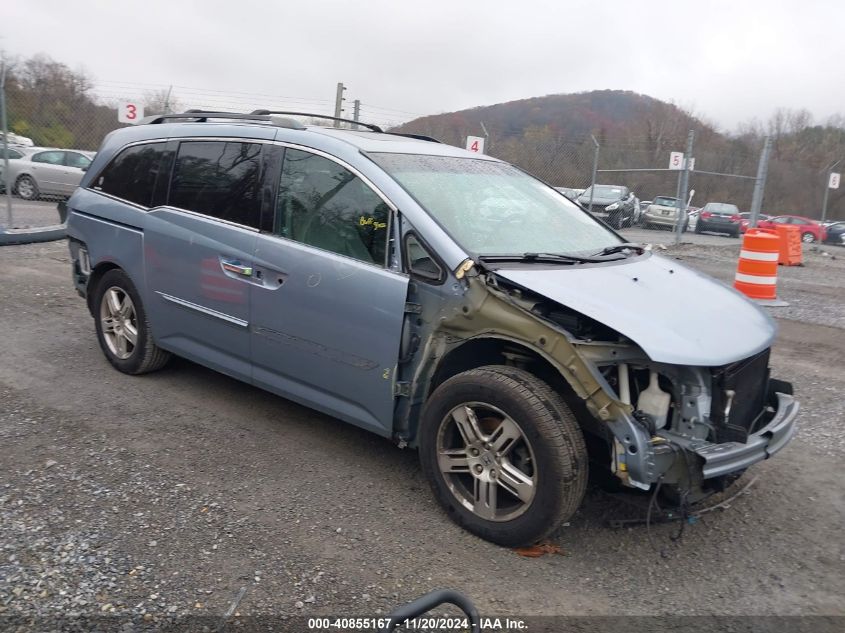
443, 299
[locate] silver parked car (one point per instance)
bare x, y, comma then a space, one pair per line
437, 297
42, 171
663, 212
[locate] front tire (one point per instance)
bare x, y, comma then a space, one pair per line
808, 238
504, 454
122, 328
26, 188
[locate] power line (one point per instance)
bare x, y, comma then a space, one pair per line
148, 86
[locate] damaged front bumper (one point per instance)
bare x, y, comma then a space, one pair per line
729, 457
657, 458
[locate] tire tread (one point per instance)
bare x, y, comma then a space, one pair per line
558, 430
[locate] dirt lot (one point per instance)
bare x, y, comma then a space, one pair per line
181, 491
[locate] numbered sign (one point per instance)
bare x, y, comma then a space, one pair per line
475, 144
833, 183
676, 160
130, 112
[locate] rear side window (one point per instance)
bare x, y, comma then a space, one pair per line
132, 174
74, 159
52, 158
219, 179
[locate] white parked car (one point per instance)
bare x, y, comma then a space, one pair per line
47, 171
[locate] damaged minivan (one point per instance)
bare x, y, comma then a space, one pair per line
440, 298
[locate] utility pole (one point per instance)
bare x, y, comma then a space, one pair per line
682, 201
827, 188
760, 181
356, 112
167, 100
3, 124
338, 102
487, 139
595, 169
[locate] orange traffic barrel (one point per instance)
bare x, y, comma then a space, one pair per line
757, 270
790, 245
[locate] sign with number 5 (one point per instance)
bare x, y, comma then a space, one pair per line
676, 160
130, 112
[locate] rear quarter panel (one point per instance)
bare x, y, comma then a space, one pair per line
112, 231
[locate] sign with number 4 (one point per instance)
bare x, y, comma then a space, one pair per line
475, 144
130, 112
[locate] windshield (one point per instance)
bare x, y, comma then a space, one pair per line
604, 191
492, 208
665, 201
720, 207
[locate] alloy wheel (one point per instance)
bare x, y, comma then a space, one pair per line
26, 189
119, 322
486, 461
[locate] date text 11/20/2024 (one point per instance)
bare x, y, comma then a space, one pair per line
423, 623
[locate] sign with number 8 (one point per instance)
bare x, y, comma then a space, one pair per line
130, 112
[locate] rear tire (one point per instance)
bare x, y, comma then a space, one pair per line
122, 327
504, 454
808, 238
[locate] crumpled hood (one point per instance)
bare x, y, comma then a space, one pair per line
675, 314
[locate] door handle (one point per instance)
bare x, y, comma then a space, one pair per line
237, 268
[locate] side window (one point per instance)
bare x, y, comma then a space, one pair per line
74, 159
325, 205
219, 179
13, 153
131, 175
51, 158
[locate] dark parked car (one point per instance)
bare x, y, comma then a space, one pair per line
570, 193
836, 234
614, 204
719, 217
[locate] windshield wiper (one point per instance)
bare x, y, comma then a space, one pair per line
616, 248
554, 258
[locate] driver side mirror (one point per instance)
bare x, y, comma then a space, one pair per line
85, 168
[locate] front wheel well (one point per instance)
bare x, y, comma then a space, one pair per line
480, 352
490, 351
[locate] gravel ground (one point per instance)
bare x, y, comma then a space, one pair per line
187, 493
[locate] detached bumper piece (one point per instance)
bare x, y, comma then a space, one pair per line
728, 457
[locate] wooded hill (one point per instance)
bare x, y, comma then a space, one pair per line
550, 137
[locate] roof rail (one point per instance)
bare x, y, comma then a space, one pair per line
419, 137
370, 126
202, 116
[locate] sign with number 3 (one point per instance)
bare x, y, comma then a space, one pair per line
130, 112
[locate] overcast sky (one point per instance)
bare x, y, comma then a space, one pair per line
729, 61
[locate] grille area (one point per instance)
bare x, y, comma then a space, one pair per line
748, 379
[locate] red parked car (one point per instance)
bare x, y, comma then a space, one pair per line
745, 220
811, 231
